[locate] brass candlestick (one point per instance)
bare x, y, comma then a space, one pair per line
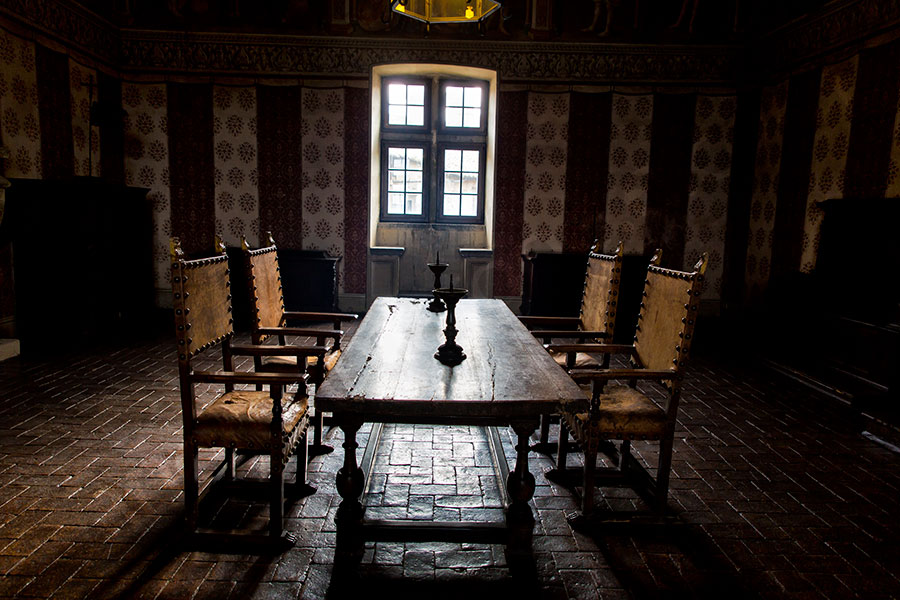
450, 353
437, 267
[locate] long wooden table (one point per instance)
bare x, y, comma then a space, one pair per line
388, 374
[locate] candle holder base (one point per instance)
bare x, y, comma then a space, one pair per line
450, 354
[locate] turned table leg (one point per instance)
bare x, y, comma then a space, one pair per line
520, 486
349, 483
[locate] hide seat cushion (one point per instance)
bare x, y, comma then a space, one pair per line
582, 360
243, 419
331, 359
280, 363
624, 413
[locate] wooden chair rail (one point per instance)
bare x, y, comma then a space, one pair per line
551, 321
276, 379
594, 348
271, 350
311, 332
320, 316
567, 333
611, 374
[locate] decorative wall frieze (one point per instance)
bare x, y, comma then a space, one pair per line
68, 23
841, 24
266, 55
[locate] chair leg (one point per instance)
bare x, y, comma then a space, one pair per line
229, 464
625, 455
562, 445
664, 466
590, 468
276, 506
191, 485
545, 429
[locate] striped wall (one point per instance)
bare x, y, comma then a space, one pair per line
651, 168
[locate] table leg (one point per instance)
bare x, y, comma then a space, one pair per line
349, 483
520, 486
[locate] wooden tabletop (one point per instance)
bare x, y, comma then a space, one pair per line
388, 367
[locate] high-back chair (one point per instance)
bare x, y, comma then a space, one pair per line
270, 320
622, 411
268, 422
596, 321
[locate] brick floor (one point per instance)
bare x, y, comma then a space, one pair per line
776, 492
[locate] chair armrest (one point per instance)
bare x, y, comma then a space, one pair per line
268, 350
320, 316
610, 374
566, 333
310, 332
594, 348
558, 322
233, 377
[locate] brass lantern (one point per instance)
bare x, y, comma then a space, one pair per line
446, 11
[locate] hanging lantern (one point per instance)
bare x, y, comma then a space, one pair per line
446, 11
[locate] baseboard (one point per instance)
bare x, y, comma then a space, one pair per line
353, 303
8, 348
164, 297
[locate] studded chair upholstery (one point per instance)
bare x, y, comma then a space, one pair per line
270, 321
622, 411
596, 321
268, 422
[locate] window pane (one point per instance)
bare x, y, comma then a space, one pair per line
415, 115
470, 161
472, 117
396, 115
395, 181
396, 93
414, 181
473, 97
395, 204
416, 95
414, 204
415, 157
451, 205
396, 158
469, 183
451, 183
454, 96
452, 160
469, 206
453, 117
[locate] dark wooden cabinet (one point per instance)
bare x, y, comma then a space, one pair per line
82, 260
553, 283
309, 279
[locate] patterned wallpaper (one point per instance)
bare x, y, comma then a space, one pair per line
236, 175
629, 168
19, 121
773, 105
147, 162
545, 175
710, 180
826, 178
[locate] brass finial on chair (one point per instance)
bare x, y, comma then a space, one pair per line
620, 249
701, 265
245, 245
175, 250
656, 259
269, 240
218, 245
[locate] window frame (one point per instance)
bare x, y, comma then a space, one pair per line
434, 137
481, 130
408, 80
426, 162
439, 192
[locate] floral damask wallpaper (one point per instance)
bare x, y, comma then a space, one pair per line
773, 105
545, 174
85, 138
19, 120
236, 175
707, 208
629, 168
